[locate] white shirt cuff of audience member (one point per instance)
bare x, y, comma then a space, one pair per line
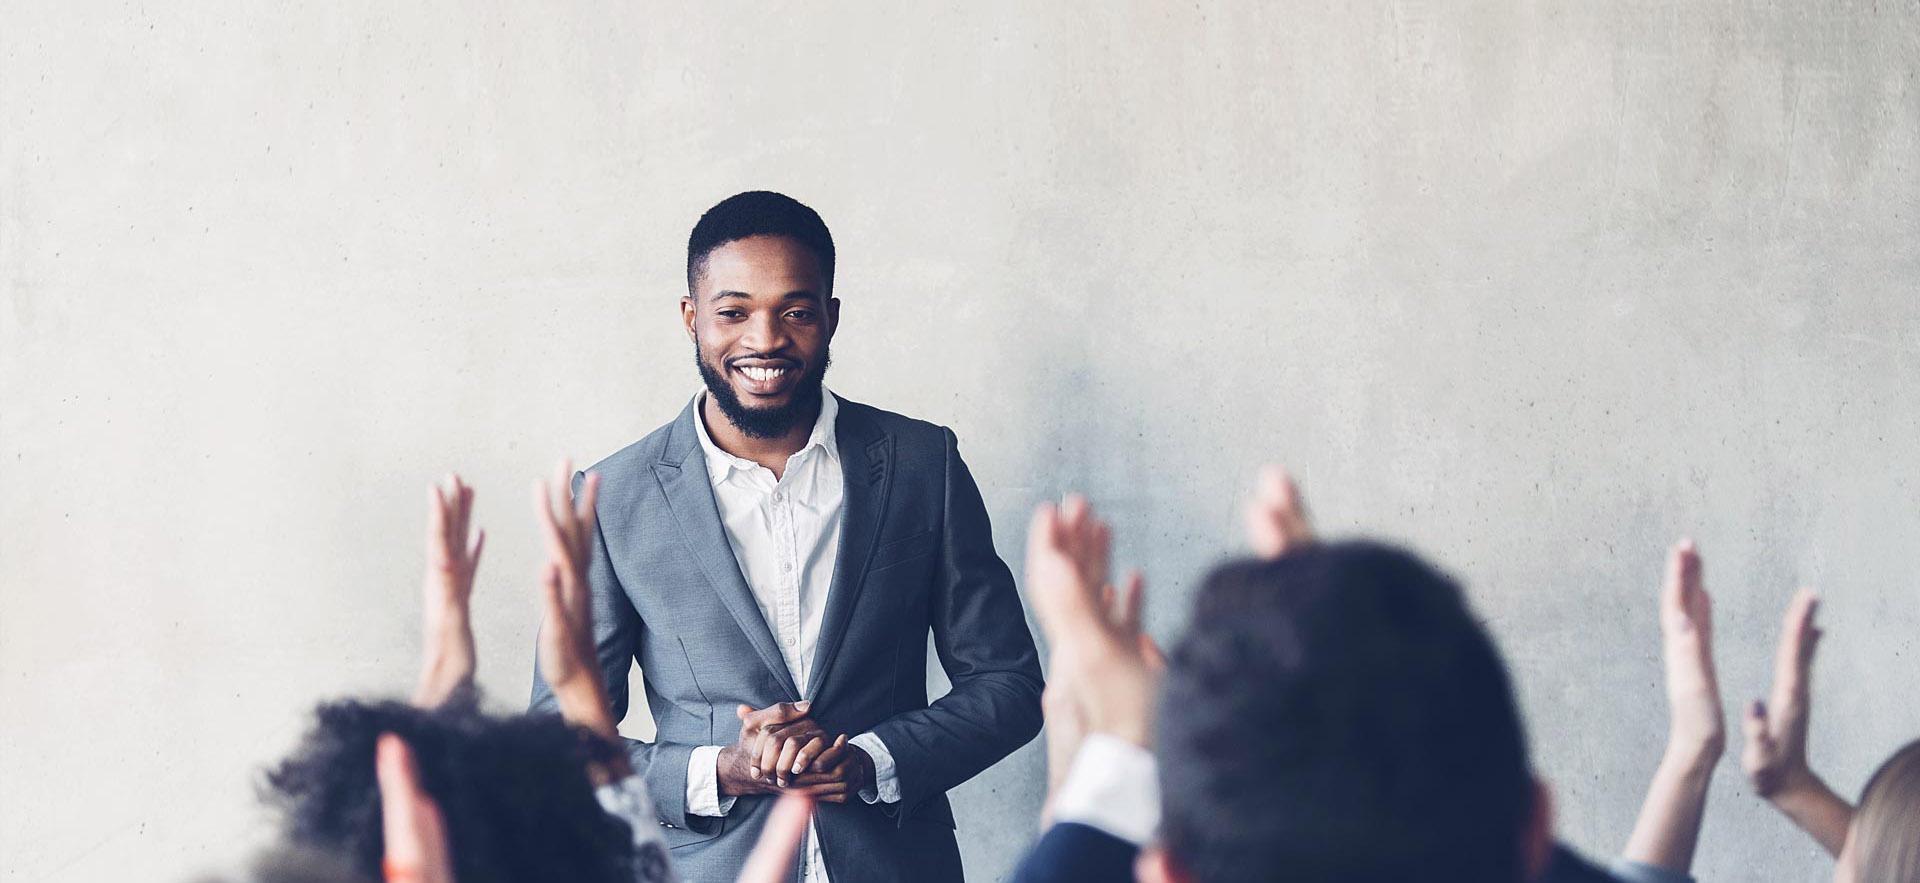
886, 776
1112, 785
703, 783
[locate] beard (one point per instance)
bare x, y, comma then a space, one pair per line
773, 422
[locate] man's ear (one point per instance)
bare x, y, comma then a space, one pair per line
833, 316
687, 312
1155, 864
1536, 847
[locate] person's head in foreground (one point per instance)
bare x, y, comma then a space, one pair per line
514, 791
1338, 714
1883, 843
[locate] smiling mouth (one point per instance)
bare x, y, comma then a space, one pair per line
765, 380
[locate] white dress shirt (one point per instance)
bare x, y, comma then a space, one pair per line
785, 534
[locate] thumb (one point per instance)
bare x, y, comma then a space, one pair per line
742, 710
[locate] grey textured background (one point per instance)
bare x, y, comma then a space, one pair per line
1540, 286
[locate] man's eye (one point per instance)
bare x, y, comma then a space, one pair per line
801, 315
732, 314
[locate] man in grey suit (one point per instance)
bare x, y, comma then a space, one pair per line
775, 557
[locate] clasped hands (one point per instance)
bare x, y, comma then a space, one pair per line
782, 750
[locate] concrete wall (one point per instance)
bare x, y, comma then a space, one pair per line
1538, 286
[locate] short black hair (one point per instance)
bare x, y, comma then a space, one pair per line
1339, 714
513, 791
758, 213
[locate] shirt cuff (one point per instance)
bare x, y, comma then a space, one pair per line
703, 783
886, 776
1629, 871
1113, 785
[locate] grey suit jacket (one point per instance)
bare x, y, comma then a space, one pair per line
916, 554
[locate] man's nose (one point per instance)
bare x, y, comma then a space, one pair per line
765, 334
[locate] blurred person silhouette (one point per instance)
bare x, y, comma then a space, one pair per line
1333, 712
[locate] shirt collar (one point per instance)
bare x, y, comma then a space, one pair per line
720, 463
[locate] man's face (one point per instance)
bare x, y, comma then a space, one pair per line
760, 318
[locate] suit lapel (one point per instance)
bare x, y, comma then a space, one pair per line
682, 472
866, 459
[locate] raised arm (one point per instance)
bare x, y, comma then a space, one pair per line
1668, 828
447, 656
1776, 735
980, 635
616, 640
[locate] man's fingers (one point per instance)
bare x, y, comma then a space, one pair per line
832, 754
789, 755
772, 858
769, 755
805, 756
822, 790
780, 713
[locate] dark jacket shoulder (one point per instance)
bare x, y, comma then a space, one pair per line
904, 429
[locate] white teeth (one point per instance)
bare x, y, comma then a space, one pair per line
761, 374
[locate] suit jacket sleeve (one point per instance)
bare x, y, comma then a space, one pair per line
1074, 852
980, 635
616, 634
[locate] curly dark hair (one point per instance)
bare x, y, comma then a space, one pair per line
514, 791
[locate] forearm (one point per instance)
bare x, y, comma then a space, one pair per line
1817, 810
985, 718
1668, 829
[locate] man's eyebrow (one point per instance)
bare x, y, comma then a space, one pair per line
802, 294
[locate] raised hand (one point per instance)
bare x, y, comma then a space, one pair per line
1776, 734
1668, 828
1776, 730
1696, 725
566, 648
1276, 518
1101, 659
447, 652
414, 831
